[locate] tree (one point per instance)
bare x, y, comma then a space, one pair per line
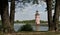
50, 7
12, 13
26, 27
7, 21
5, 16
56, 14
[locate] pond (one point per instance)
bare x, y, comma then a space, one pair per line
41, 28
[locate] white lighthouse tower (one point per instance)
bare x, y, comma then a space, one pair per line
37, 20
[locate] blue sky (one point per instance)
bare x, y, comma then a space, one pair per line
28, 12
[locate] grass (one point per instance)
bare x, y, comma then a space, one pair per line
1, 33
35, 33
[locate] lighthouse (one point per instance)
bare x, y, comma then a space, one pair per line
37, 21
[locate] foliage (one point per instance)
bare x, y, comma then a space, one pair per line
26, 27
17, 21
0, 21
0, 27
29, 21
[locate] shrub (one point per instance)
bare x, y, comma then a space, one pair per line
26, 27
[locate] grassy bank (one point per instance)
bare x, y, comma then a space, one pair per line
35, 33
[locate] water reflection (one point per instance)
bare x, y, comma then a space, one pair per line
41, 28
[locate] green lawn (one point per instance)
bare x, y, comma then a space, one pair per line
35, 33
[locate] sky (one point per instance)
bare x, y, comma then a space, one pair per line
28, 11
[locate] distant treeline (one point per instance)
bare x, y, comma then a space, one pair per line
29, 21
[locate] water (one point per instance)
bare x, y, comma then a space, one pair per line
41, 28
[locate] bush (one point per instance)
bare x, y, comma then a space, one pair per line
26, 27
0, 27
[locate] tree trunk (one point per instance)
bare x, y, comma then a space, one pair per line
49, 9
56, 14
12, 13
5, 16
